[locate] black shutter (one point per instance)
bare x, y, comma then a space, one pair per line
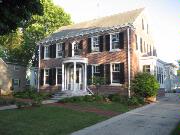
121, 40
102, 70
54, 50
54, 76
89, 45
63, 50
42, 52
107, 42
101, 43
19, 82
89, 74
41, 76
70, 50
108, 74
121, 75
50, 76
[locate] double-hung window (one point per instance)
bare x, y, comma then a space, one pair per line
96, 69
115, 41
146, 68
46, 76
115, 73
59, 51
95, 44
46, 52
59, 75
16, 83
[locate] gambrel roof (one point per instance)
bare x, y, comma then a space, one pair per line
94, 26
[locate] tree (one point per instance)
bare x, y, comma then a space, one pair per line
14, 13
21, 44
145, 85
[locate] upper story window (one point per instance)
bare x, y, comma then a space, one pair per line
146, 68
141, 45
142, 24
95, 44
115, 41
96, 69
16, 82
46, 76
115, 73
77, 48
59, 51
46, 52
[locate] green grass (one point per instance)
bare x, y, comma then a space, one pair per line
112, 106
176, 131
45, 120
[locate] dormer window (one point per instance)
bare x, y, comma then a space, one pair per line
59, 51
95, 44
46, 52
114, 41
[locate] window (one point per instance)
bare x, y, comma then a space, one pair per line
16, 68
59, 75
46, 76
95, 44
115, 41
96, 69
146, 68
136, 42
115, 73
46, 52
16, 82
59, 51
141, 45
144, 47
142, 24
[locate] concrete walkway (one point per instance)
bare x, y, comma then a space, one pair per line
154, 119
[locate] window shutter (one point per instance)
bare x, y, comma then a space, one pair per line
108, 75
63, 50
89, 45
107, 42
54, 50
19, 82
101, 43
42, 52
121, 40
102, 70
50, 77
54, 76
122, 78
42, 77
89, 74
70, 50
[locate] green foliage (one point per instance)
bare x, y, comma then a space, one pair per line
21, 44
22, 104
14, 13
6, 101
145, 85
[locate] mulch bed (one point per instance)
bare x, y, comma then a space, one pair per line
85, 109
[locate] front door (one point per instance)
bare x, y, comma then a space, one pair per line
78, 79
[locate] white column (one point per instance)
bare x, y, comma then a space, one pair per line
62, 76
129, 64
65, 80
85, 76
39, 68
74, 77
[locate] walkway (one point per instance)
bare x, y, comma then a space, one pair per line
154, 119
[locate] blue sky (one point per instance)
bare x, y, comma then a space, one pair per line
163, 16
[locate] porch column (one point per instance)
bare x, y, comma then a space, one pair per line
62, 76
74, 77
65, 80
85, 76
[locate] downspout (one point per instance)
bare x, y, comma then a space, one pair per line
129, 65
39, 68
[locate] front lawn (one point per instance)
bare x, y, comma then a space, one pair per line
45, 120
176, 131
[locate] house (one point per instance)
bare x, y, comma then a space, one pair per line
12, 76
110, 47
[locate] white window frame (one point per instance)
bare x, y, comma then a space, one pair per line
73, 44
111, 43
45, 57
45, 75
111, 73
147, 68
95, 47
57, 74
18, 80
59, 49
95, 69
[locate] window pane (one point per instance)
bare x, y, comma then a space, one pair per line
115, 77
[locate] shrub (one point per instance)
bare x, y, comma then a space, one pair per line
145, 85
6, 101
135, 100
37, 100
21, 104
117, 98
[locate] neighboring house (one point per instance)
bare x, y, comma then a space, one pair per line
12, 76
109, 47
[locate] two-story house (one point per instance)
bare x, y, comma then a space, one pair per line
109, 47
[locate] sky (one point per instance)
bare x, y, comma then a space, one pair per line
163, 17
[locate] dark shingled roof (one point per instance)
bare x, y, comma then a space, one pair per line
95, 25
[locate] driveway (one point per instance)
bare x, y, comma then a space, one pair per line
154, 119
